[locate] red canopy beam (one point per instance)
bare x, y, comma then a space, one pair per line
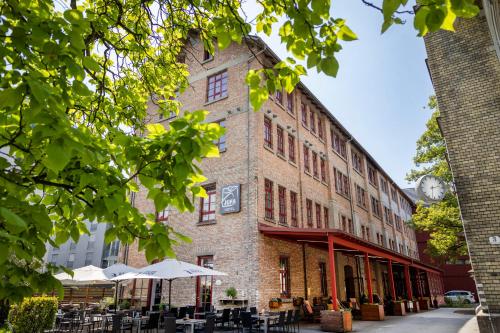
333, 276
368, 275
409, 291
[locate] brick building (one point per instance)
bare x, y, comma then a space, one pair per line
465, 71
313, 203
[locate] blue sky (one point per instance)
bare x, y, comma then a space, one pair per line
381, 88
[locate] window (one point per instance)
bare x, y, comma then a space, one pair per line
206, 55
279, 96
221, 142
347, 225
93, 226
293, 208
388, 216
285, 276
341, 183
291, 148
282, 204
367, 233
372, 176
303, 111
320, 128
91, 243
163, 215
88, 258
71, 260
383, 185
322, 278
322, 167
394, 194
204, 283
53, 259
318, 216
360, 196
397, 220
217, 86
268, 187
208, 204
281, 142
357, 162
72, 246
312, 122
326, 216
309, 212
268, 132
376, 209
363, 231
289, 102
338, 144
306, 159
315, 164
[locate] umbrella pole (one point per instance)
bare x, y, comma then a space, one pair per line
116, 296
169, 293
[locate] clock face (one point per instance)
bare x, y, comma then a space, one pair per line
432, 188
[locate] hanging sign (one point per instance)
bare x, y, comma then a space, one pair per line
230, 199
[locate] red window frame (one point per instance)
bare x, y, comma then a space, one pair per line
320, 128
163, 215
208, 205
318, 216
280, 141
315, 164
279, 96
372, 176
293, 208
303, 111
282, 204
289, 102
326, 217
291, 148
309, 212
269, 199
322, 167
268, 132
217, 85
312, 122
357, 163
306, 159
285, 290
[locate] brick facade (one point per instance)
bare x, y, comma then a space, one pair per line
465, 71
251, 259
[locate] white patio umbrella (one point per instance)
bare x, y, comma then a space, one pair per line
84, 275
170, 269
114, 272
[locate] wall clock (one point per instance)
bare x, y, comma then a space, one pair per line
431, 188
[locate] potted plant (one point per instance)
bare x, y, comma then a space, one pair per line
336, 321
372, 311
274, 303
424, 303
399, 307
415, 305
231, 292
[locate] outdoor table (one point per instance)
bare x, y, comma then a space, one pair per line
190, 322
138, 320
265, 318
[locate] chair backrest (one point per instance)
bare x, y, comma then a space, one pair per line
154, 317
170, 325
210, 324
174, 311
296, 317
190, 311
182, 312
155, 308
117, 323
253, 310
225, 314
289, 317
246, 319
144, 310
236, 313
281, 319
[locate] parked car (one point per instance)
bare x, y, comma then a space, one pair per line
460, 296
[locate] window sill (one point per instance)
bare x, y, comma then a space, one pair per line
283, 224
324, 183
290, 113
216, 100
363, 208
269, 220
282, 156
292, 163
373, 185
358, 172
316, 177
280, 105
307, 173
206, 223
270, 149
322, 140
343, 195
305, 126
207, 61
339, 155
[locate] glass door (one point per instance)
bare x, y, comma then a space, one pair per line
204, 284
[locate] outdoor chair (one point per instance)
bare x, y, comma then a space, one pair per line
224, 319
296, 321
253, 310
190, 311
171, 326
248, 323
289, 320
182, 312
117, 325
235, 318
209, 325
279, 324
152, 323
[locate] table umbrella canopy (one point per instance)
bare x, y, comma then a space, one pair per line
169, 269
117, 270
84, 275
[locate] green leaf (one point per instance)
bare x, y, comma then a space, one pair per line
11, 97
91, 64
330, 66
57, 157
155, 129
39, 91
81, 89
346, 34
223, 40
389, 7
435, 19
12, 219
420, 20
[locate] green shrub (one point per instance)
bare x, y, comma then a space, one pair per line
231, 292
33, 315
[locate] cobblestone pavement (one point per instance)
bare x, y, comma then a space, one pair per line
444, 320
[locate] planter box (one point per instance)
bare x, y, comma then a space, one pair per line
274, 305
424, 304
372, 312
416, 307
336, 321
399, 308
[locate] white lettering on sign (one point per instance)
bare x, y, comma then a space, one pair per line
495, 240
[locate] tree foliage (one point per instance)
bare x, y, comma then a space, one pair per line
441, 220
75, 86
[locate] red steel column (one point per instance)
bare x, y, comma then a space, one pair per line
368, 276
408, 283
333, 277
391, 280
